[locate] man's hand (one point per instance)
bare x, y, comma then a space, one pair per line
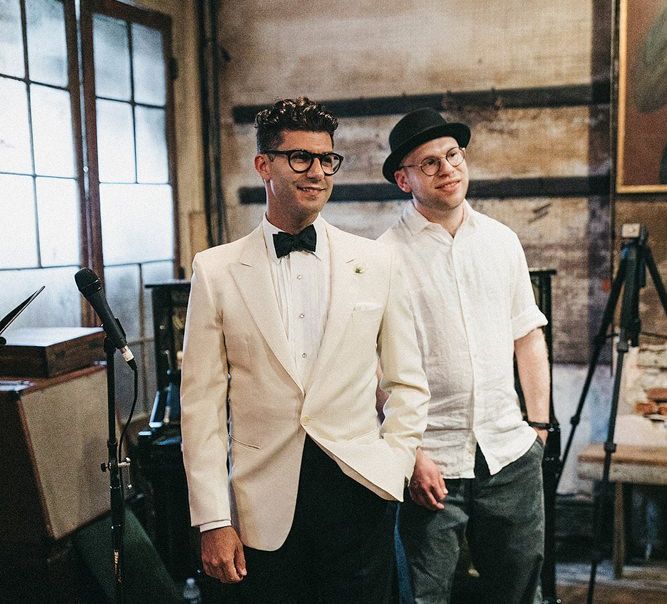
222, 555
427, 486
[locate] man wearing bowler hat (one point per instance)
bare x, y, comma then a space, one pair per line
478, 471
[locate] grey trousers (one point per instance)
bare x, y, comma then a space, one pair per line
502, 517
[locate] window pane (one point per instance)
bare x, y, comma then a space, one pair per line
59, 305
149, 67
58, 213
47, 46
137, 223
11, 57
151, 145
52, 131
112, 58
115, 141
123, 289
18, 242
15, 137
125, 386
155, 272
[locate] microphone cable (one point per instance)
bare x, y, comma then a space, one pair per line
123, 433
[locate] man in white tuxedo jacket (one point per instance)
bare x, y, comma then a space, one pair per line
291, 473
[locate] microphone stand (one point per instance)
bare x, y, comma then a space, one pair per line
114, 466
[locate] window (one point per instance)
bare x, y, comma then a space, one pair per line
86, 167
40, 163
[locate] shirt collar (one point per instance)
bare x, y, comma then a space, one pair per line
269, 230
417, 222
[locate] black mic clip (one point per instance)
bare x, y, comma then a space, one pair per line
110, 346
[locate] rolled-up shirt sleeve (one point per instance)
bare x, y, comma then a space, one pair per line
526, 316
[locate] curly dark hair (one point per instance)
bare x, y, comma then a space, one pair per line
291, 114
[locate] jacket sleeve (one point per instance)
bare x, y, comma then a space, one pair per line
406, 409
204, 384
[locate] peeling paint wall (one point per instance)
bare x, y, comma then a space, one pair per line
338, 49
341, 50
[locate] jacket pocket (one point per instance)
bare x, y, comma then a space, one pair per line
366, 306
243, 443
367, 313
369, 436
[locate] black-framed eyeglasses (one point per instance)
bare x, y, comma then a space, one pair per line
301, 160
432, 165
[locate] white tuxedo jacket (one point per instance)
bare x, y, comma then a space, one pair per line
242, 401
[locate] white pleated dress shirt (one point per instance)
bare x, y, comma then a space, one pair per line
301, 281
472, 297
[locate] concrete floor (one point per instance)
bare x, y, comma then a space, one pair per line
645, 584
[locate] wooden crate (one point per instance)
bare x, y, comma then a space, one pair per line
50, 351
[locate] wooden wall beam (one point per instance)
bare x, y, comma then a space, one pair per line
582, 186
595, 93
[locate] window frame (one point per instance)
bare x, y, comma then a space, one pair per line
155, 20
80, 87
73, 89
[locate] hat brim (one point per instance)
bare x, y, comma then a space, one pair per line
460, 132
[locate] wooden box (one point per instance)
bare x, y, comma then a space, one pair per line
50, 351
54, 435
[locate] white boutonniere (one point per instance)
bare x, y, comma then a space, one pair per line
358, 270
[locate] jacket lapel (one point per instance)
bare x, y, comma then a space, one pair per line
253, 278
342, 299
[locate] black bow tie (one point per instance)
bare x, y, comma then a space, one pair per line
286, 243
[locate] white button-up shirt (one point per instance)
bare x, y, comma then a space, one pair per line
472, 297
301, 281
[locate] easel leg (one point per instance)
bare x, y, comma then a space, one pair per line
619, 531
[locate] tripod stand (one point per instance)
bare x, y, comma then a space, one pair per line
635, 258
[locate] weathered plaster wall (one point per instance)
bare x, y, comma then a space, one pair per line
338, 49
341, 50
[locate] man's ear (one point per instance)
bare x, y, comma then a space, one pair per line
402, 181
262, 166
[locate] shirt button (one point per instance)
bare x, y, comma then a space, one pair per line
301, 316
299, 276
305, 420
303, 355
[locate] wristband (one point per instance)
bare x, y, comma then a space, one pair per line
542, 425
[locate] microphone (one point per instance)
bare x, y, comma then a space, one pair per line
90, 286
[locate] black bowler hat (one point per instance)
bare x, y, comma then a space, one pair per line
416, 128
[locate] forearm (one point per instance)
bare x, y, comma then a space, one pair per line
533, 365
